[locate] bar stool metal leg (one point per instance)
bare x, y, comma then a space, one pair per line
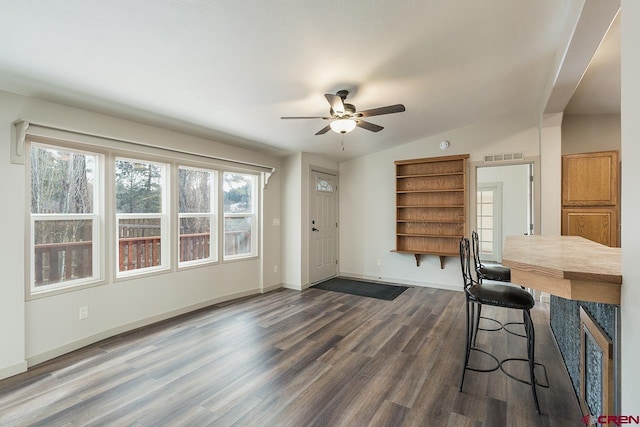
469, 338
531, 344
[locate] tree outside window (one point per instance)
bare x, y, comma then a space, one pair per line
140, 214
196, 215
64, 219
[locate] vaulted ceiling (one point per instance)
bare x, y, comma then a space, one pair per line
229, 70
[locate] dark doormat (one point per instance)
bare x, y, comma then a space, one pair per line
361, 288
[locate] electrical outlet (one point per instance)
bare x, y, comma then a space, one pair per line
275, 268
83, 312
378, 262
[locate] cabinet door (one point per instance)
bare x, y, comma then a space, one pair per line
597, 224
590, 179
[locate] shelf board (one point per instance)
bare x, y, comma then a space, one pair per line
432, 221
426, 253
423, 175
442, 190
446, 236
430, 206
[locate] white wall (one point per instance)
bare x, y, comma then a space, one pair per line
295, 208
367, 202
46, 327
292, 221
630, 307
12, 223
589, 133
551, 174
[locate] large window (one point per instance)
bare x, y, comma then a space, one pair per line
65, 226
240, 221
105, 213
196, 216
141, 215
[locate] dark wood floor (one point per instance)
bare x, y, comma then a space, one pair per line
288, 358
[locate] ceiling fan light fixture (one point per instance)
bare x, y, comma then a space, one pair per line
343, 125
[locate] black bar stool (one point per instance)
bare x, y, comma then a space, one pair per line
496, 273
488, 271
498, 295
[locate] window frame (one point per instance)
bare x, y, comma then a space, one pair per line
213, 216
163, 215
495, 255
253, 253
97, 218
106, 266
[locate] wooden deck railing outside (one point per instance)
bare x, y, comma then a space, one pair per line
58, 262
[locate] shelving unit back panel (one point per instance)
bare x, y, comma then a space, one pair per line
431, 199
430, 228
430, 167
432, 245
431, 183
436, 214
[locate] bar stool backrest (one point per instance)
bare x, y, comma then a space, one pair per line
465, 264
476, 250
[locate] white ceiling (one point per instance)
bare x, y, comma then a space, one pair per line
230, 69
599, 89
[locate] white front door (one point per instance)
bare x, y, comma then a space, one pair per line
323, 260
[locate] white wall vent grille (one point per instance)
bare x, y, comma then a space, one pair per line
504, 157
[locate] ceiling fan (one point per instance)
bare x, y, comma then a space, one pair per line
344, 117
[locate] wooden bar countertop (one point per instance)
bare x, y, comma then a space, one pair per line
570, 267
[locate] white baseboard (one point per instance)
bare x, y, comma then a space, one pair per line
391, 281
294, 287
67, 348
12, 370
271, 288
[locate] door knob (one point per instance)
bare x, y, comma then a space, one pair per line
314, 229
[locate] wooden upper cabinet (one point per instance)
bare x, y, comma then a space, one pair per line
590, 179
590, 197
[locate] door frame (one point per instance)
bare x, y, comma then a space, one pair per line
473, 181
307, 224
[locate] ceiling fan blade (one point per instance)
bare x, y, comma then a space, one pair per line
368, 126
397, 108
325, 118
323, 130
337, 105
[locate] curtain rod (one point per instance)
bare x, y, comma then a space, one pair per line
21, 127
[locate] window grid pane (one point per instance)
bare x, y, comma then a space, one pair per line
63, 222
63, 250
485, 221
239, 217
139, 243
196, 202
140, 194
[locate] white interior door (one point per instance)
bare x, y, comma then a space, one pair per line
323, 260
